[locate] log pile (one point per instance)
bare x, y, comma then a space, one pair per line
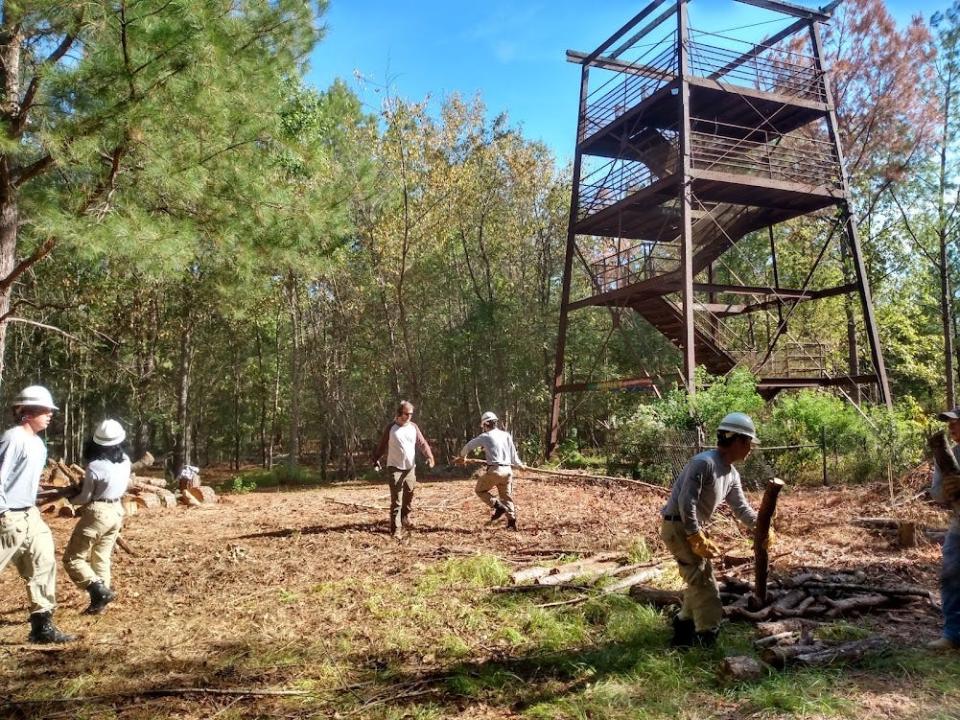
60, 482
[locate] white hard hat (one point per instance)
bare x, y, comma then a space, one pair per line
741, 424
487, 417
34, 396
109, 433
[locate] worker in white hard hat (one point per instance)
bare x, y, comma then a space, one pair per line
25, 540
709, 479
501, 456
87, 559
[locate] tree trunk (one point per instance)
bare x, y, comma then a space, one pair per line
945, 292
293, 456
182, 445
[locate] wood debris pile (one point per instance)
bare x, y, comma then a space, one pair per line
60, 482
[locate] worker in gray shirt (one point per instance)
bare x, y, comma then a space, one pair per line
708, 480
25, 540
87, 559
501, 456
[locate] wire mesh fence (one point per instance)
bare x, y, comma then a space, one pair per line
662, 462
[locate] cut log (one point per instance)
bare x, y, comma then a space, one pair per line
741, 668
529, 573
780, 639
846, 653
782, 655
768, 506
586, 571
147, 500
188, 499
855, 604
907, 534
203, 493
655, 596
790, 600
148, 481
167, 498
631, 580
143, 463
803, 609
779, 627
844, 587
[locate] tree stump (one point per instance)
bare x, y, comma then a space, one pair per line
768, 507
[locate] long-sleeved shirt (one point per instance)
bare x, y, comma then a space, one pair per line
400, 443
22, 458
497, 445
936, 492
706, 482
104, 480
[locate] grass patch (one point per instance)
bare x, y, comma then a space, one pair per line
280, 475
475, 571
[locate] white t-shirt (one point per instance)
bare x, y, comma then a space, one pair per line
104, 480
402, 449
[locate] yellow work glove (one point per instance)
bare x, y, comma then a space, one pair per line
703, 546
771, 539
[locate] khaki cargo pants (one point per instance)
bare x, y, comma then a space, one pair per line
701, 599
26, 540
87, 557
402, 485
501, 478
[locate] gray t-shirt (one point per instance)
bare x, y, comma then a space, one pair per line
497, 445
22, 458
706, 482
104, 480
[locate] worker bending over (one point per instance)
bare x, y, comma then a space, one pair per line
501, 455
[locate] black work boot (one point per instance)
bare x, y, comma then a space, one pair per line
100, 595
498, 510
42, 629
683, 632
511, 523
706, 638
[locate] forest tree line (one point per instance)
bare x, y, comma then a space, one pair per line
245, 269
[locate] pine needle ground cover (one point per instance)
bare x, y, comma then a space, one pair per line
298, 604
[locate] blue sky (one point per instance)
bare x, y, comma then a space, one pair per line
510, 53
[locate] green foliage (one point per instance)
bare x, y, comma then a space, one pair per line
243, 485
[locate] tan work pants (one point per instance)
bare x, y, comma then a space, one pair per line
87, 557
701, 600
26, 540
500, 478
402, 485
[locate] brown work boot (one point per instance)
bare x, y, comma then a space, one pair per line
942, 644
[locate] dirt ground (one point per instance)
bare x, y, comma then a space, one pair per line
215, 587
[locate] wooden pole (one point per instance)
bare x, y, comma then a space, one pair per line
768, 507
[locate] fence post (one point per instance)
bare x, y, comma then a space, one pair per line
823, 453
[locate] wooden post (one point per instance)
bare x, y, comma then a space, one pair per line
764, 517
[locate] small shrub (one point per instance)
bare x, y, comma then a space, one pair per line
241, 485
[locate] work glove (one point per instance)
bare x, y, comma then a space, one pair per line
703, 546
771, 539
11, 533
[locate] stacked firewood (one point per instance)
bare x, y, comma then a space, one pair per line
60, 482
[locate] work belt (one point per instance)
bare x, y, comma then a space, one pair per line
673, 518
108, 501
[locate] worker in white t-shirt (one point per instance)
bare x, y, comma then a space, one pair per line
399, 442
